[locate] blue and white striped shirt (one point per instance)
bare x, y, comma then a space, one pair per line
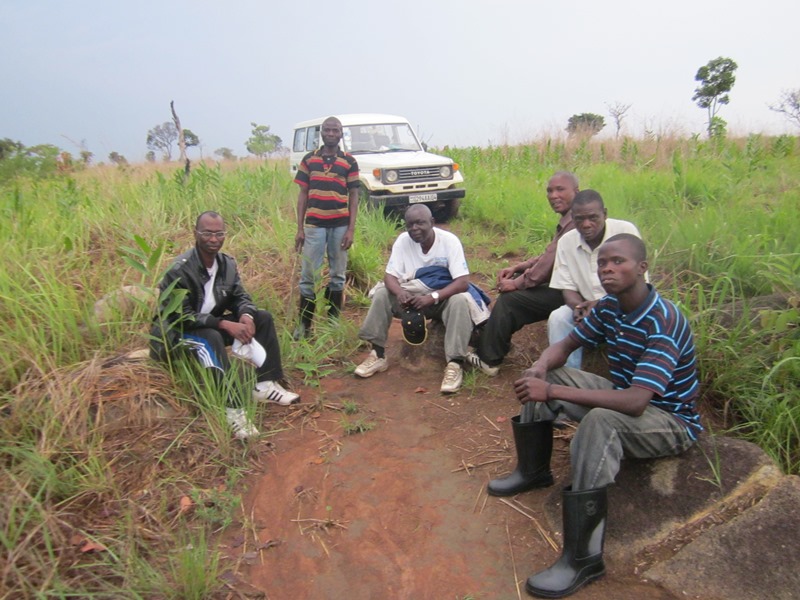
651, 348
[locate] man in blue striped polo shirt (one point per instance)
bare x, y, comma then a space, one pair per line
646, 410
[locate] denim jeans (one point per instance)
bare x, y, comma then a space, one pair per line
320, 241
559, 326
604, 436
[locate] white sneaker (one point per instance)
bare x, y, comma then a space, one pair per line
452, 378
272, 391
243, 427
372, 365
473, 360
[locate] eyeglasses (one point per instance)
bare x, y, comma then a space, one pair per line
207, 235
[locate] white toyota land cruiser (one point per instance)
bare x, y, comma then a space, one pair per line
395, 169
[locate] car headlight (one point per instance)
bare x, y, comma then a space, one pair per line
445, 172
390, 176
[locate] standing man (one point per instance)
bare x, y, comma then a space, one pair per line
525, 295
217, 312
426, 272
646, 410
575, 271
327, 205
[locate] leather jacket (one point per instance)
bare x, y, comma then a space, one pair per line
190, 274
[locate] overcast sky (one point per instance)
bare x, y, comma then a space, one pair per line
464, 73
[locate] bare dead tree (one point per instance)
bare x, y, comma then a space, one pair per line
617, 112
181, 140
789, 105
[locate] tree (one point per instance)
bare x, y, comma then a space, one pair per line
150, 156
190, 138
716, 80
9, 147
117, 159
225, 153
585, 124
617, 112
261, 141
161, 137
789, 105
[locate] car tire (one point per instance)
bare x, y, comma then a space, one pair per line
446, 210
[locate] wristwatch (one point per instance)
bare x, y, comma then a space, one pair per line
435, 296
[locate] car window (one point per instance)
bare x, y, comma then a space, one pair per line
299, 140
379, 137
312, 138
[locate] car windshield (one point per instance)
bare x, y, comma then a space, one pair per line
379, 137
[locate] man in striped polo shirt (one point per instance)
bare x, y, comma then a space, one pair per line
646, 410
327, 205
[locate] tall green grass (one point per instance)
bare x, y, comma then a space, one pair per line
99, 448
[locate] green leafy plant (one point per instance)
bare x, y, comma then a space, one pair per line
352, 427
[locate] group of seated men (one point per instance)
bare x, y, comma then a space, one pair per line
590, 284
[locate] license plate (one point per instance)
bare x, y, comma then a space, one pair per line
416, 198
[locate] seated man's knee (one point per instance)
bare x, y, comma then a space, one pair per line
560, 316
600, 419
263, 318
459, 300
381, 294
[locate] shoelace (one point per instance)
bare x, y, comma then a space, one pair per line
451, 373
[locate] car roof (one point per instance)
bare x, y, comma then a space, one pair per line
355, 119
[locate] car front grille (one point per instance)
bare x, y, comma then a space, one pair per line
418, 174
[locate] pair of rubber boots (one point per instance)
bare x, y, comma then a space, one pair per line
309, 305
583, 513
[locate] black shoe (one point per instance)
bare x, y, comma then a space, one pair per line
534, 444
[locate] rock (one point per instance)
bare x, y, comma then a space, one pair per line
122, 304
755, 555
664, 503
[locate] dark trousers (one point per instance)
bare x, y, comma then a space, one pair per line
510, 313
265, 335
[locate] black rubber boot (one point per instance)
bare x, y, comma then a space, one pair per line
584, 516
307, 308
534, 443
335, 302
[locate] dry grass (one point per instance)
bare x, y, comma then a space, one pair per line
124, 452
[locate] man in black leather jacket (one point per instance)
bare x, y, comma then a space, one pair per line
215, 312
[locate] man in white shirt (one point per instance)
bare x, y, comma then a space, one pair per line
426, 272
575, 268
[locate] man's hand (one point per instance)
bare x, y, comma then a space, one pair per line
582, 309
537, 370
531, 389
299, 240
250, 324
404, 298
238, 331
506, 285
347, 240
421, 302
506, 273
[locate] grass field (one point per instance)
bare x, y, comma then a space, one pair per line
104, 497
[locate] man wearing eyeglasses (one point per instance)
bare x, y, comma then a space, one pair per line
216, 312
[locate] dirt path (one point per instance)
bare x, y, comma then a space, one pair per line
400, 511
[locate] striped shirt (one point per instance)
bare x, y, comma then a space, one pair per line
328, 181
651, 348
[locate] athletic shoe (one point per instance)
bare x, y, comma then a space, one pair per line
473, 360
372, 365
452, 378
272, 391
243, 427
